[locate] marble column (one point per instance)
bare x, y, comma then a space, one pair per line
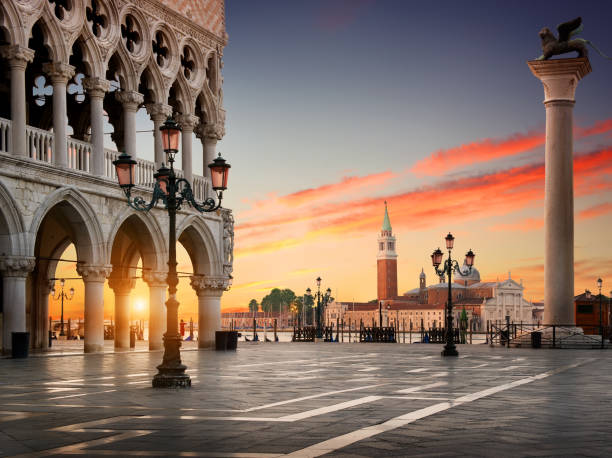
15, 271
209, 291
130, 100
159, 112
210, 134
97, 89
18, 58
157, 309
60, 74
559, 78
187, 122
122, 287
94, 278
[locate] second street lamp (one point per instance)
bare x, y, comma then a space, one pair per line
62, 295
172, 192
449, 265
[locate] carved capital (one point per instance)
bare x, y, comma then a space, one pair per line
560, 77
188, 121
96, 87
121, 285
154, 278
17, 266
159, 111
208, 285
129, 99
18, 56
214, 131
59, 72
91, 273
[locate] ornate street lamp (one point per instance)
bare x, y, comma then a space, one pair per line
172, 192
449, 266
599, 285
309, 295
322, 300
62, 295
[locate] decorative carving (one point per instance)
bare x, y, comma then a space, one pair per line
93, 273
17, 266
228, 242
188, 121
155, 278
120, 285
129, 99
208, 284
160, 49
131, 34
59, 72
216, 131
159, 111
96, 18
551, 46
96, 87
18, 56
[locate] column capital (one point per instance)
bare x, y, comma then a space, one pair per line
560, 76
188, 121
159, 111
120, 285
209, 285
96, 87
92, 273
212, 131
59, 72
129, 99
155, 278
17, 266
18, 56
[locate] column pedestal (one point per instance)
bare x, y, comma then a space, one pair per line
559, 78
94, 278
60, 74
15, 271
122, 288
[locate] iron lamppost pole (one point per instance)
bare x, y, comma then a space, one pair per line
448, 267
172, 192
322, 299
599, 285
62, 295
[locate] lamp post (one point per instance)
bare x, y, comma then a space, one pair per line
172, 192
62, 295
322, 300
309, 295
599, 285
449, 266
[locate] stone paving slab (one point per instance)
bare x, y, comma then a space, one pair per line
307, 400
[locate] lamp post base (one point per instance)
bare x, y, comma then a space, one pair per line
450, 351
169, 380
171, 372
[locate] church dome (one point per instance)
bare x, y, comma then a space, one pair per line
473, 275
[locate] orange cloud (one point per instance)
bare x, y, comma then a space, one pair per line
442, 161
524, 225
595, 211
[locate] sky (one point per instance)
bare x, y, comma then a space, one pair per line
335, 106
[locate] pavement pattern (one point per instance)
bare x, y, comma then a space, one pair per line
308, 400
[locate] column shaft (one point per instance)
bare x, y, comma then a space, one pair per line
186, 141
158, 112
209, 319
122, 320
131, 101
157, 316
14, 314
94, 316
96, 89
209, 145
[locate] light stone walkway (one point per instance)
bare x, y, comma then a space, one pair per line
311, 400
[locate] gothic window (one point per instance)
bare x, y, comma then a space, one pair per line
95, 17
130, 34
62, 7
160, 50
41, 90
390, 246
187, 62
382, 246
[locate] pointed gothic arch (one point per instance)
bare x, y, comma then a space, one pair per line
199, 242
12, 240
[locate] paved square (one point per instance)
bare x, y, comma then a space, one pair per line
310, 400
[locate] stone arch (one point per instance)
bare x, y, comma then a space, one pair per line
11, 24
199, 71
11, 225
79, 217
174, 62
148, 238
197, 238
205, 108
143, 51
152, 80
124, 68
92, 57
53, 38
179, 96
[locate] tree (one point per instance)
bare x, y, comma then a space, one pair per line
253, 306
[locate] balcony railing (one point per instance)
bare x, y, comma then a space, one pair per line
39, 147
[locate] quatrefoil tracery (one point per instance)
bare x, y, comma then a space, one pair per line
41, 90
96, 18
187, 62
160, 50
131, 36
61, 8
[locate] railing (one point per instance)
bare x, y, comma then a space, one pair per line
5, 134
549, 335
377, 334
199, 186
79, 153
39, 144
304, 334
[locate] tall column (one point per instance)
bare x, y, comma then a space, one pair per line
18, 58
97, 89
210, 134
560, 78
60, 74
130, 100
188, 122
158, 112
94, 278
122, 287
157, 310
209, 291
15, 271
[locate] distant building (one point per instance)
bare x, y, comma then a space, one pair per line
482, 301
587, 313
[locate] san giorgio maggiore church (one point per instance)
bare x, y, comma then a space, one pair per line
69, 69
424, 305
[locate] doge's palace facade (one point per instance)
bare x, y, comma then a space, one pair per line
65, 65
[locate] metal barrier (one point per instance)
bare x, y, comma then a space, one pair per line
377, 334
549, 335
304, 334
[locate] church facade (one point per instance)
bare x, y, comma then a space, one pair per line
483, 301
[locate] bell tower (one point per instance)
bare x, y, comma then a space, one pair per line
387, 261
